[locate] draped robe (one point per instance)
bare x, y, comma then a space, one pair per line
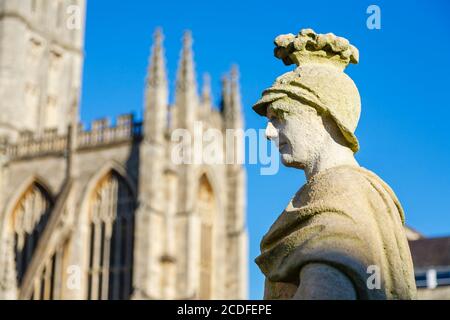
348, 218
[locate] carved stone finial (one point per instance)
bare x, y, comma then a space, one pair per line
206, 89
186, 68
309, 46
187, 40
157, 68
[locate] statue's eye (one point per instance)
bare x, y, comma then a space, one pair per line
271, 115
278, 116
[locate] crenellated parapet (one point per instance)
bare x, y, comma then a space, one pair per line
4, 142
31, 145
101, 133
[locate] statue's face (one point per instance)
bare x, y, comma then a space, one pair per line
297, 130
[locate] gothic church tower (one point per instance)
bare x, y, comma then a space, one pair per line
104, 212
41, 59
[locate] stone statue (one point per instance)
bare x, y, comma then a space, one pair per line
341, 236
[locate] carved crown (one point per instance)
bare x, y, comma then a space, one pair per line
308, 46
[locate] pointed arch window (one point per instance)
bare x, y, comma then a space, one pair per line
48, 283
207, 210
29, 218
111, 225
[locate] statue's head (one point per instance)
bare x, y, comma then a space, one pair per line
316, 101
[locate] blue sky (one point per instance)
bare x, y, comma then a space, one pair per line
402, 78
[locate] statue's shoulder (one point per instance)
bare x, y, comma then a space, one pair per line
346, 184
335, 182
351, 183
337, 174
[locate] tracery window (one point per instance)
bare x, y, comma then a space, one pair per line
48, 284
111, 225
29, 219
207, 211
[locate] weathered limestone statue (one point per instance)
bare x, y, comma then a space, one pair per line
341, 236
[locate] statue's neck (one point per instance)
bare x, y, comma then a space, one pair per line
332, 155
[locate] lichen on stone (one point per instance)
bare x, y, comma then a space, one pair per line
309, 46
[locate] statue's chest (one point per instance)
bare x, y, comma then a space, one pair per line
279, 290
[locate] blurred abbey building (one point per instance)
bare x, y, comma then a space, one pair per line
104, 213
431, 259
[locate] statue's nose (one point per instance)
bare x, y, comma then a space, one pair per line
271, 131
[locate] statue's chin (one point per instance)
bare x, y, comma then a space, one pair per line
289, 161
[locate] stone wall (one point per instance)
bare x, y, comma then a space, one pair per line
41, 59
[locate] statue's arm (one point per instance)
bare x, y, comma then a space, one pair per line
319, 281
